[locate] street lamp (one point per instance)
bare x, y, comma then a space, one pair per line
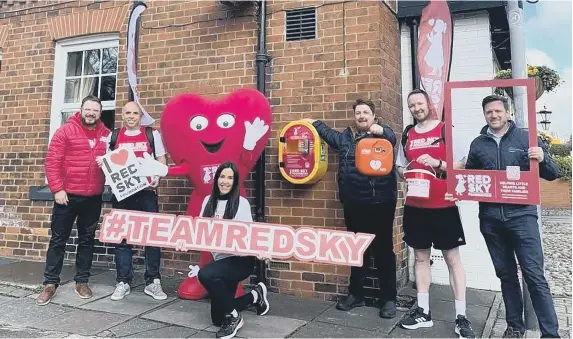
546, 118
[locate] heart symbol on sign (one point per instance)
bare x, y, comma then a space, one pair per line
375, 164
120, 158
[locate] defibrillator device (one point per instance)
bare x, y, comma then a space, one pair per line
374, 156
303, 155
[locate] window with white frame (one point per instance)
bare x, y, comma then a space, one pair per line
84, 66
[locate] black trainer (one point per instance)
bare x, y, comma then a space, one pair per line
349, 302
417, 319
262, 303
510, 332
464, 327
230, 326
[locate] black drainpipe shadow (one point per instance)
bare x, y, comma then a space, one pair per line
260, 172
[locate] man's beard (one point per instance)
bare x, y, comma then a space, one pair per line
423, 118
88, 124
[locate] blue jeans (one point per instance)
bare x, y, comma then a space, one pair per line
520, 237
145, 201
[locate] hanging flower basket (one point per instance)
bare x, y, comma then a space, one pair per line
546, 80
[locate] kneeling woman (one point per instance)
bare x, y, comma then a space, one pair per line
222, 277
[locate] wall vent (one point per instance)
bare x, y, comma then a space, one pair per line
301, 24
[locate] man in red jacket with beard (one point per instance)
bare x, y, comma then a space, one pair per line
77, 183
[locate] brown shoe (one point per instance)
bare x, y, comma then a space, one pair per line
83, 290
47, 294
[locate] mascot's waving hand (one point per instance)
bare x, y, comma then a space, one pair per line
199, 134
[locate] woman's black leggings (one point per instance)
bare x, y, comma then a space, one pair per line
221, 279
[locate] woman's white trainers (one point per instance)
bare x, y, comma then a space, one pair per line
155, 290
121, 290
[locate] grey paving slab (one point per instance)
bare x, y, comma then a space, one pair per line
324, 330
187, 313
366, 318
441, 329
295, 307
15, 291
473, 296
130, 327
204, 334
30, 273
82, 322
4, 299
66, 294
18, 332
167, 332
6, 261
135, 303
23, 312
268, 326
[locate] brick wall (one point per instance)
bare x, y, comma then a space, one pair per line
556, 194
200, 47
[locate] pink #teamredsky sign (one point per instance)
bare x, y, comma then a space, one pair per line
229, 236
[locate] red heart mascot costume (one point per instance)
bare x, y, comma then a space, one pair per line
199, 134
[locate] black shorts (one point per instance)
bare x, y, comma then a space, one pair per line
440, 227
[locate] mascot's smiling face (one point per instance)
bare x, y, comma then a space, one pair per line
196, 130
200, 123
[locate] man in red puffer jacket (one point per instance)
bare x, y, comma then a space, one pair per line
77, 183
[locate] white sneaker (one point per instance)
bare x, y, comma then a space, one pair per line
121, 290
155, 290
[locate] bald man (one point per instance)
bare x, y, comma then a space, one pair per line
140, 139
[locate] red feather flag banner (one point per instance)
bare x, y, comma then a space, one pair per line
434, 52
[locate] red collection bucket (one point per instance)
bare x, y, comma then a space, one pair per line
418, 181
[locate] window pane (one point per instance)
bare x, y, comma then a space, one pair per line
108, 118
109, 64
72, 93
74, 64
66, 116
107, 88
90, 86
92, 62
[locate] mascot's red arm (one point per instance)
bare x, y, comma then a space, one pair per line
181, 170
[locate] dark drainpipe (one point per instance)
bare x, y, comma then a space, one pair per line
261, 62
414, 53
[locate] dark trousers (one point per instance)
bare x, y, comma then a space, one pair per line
87, 210
520, 237
377, 220
145, 201
221, 279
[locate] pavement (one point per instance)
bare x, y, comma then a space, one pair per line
140, 316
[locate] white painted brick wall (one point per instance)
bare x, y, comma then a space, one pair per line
472, 59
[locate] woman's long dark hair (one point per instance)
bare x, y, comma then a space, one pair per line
232, 197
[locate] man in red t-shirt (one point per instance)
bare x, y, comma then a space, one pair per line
135, 137
429, 219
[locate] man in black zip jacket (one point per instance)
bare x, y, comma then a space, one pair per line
512, 230
369, 204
